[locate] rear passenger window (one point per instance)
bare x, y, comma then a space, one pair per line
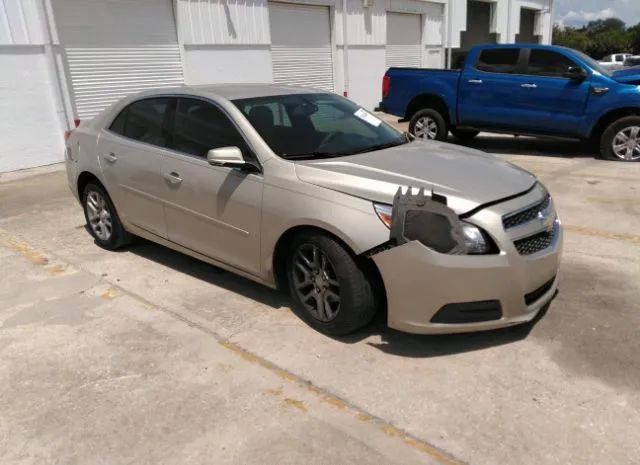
498, 60
548, 63
118, 124
200, 126
145, 121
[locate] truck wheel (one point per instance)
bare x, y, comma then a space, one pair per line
621, 140
429, 124
464, 135
331, 292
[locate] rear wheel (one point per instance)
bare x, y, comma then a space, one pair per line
429, 124
331, 292
464, 135
621, 140
102, 219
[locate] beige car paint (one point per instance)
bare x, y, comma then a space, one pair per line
235, 219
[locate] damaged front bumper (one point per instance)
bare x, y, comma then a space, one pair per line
430, 292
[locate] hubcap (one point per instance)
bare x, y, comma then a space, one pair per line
99, 216
315, 282
626, 144
426, 128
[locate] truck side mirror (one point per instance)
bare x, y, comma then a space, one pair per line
575, 73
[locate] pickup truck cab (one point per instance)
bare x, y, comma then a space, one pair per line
521, 89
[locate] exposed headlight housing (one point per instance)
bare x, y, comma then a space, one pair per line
444, 233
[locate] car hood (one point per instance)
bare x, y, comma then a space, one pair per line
628, 75
468, 178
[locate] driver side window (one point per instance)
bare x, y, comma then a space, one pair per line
548, 63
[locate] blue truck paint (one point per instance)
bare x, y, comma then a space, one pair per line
557, 106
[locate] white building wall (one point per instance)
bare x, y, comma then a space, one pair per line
229, 41
32, 115
506, 20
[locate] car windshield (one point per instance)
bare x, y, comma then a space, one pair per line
593, 63
308, 126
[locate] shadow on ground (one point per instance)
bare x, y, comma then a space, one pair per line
391, 341
495, 143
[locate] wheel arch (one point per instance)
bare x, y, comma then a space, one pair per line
282, 247
85, 178
610, 117
428, 101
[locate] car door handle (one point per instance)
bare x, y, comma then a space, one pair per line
111, 157
529, 86
173, 177
475, 81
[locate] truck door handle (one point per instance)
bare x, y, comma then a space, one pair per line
529, 86
475, 81
173, 177
111, 157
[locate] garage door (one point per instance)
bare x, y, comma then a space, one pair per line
301, 45
117, 47
404, 38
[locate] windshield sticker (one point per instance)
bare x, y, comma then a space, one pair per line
367, 117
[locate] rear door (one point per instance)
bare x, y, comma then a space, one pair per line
130, 154
212, 210
487, 95
552, 102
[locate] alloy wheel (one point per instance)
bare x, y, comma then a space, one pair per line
99, 216
426, 128
315, 282
626, 144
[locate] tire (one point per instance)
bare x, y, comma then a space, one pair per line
108, 238
624, 127
357, 304
419, 124
464, 135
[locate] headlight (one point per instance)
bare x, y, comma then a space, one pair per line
440, 232
475, 240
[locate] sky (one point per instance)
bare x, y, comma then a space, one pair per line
579, 12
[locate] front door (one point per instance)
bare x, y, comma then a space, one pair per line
554, 103
130, 154
210, 209
488, 88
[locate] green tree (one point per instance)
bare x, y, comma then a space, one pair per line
599, 38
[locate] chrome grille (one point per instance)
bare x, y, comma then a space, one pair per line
536, 243
516, 219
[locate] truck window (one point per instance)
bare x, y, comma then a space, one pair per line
548, 63
607, 59
498, 60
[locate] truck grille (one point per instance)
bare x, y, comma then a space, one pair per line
516, 219
536, 243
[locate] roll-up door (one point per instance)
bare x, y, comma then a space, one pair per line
117, 47
404, 40
301, 45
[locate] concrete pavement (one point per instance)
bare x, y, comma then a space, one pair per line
148, 356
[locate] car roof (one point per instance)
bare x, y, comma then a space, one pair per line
233, 91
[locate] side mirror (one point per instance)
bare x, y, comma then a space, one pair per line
226, 156
575, 73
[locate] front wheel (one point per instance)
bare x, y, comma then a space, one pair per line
621, 140
331, 292
429, 124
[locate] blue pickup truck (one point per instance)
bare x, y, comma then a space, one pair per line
521, 89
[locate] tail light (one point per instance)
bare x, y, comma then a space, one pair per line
386, 85
67, 134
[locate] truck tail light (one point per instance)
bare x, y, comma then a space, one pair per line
386, 85
67, 134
